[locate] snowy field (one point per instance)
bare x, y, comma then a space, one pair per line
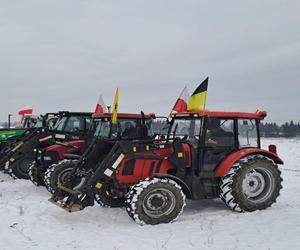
28, 220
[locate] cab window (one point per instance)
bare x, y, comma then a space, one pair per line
186, 128
75, 124
102, 129
247, 131
219, 132
125, 129
60, 124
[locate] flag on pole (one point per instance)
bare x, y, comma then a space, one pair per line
115, 107
100, 106
181, 103
197, 100
26, 110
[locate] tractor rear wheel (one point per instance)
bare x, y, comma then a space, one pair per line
20, 168
253, 183
59, 173
155, 201
106, 197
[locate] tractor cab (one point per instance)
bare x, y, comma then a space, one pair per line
73, 123
47, 120
128, 126
215, 135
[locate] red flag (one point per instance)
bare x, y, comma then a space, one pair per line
100, 107
181, 103
26, 110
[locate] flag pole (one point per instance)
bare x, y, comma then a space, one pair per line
203, 113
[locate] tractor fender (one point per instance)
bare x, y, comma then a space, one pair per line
224, 167
186, 190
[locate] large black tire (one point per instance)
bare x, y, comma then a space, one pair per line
155, 201
59, 173
35, 175
20, 168
106, 198
253, 183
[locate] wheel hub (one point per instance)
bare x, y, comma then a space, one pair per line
253, 184
258, 184
158, 203
76, 181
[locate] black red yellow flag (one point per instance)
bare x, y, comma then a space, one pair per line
197, 100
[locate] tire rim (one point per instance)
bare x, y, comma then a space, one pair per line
77, 181
258, 185
159, 202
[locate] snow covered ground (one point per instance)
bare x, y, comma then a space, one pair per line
28, 220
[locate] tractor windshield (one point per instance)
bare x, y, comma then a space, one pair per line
60, 124
73, 124
125, 129
185, 127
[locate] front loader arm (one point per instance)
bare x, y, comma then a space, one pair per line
72, 200
22, 148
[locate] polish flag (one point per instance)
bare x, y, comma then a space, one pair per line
26, 110
100, 107
181, 103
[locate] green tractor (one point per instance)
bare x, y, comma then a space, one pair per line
27, 122
11, 134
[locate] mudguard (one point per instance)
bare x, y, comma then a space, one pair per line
224, 167
184, 186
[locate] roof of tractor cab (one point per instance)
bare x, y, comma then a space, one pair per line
125, 115
258, 115
69, 113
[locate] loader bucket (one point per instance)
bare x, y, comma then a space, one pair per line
71, 200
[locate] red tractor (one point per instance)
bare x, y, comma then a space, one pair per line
129, 127
205, 155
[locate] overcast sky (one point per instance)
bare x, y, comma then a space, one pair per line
60, 55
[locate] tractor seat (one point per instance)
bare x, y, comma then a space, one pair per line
72, 157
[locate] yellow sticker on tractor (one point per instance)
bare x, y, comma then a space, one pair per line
98, 185
134, 149
180, 155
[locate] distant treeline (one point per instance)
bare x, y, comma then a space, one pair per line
288, 129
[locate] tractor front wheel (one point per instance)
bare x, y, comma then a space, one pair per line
253, 183
60, 172
20, 168
155, 201
107, 197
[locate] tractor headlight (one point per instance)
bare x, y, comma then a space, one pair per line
47, 158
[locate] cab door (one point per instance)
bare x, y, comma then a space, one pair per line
218, 141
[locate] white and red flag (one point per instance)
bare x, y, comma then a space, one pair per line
100, 107
26, 110
181, 103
